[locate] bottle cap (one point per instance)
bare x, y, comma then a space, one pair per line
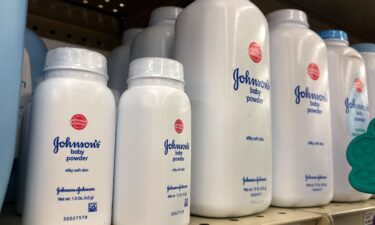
76, 59
364, 47
129, 35
154, 67
164, 13
288, 15
333, 35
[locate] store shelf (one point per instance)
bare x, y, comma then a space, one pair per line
272, 216
346, 213
360, 213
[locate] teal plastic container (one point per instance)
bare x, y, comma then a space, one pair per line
12, 28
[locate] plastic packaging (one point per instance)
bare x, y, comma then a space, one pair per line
157, 39
349, 108
367, 50
118, 62
223, 45
70, 165
11, 52
153, 139
301, 121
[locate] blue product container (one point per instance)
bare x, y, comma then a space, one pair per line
12, 28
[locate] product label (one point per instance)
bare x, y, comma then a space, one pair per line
313, 100
316, 183
251, 86
356, 108
256, 186
255, 86
78, 156
255, 52
176, 150
369, 218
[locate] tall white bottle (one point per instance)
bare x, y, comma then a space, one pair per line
367, 51
118, 62
349, 108
223, 45
70, 165
157, 39
153, 149
301, 128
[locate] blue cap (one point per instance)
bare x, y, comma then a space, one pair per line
333, 35
364, 47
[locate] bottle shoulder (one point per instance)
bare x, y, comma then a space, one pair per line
295, 36
61, 86
343, 51
150, 95
157, 29
119, 51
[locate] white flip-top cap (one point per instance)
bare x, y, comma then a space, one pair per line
130, 34
153, 67
76, 59
288, 15
164, 13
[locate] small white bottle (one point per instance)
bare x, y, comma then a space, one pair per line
223, 45
349, 108
70, 165
153, 149
157, 39
301, 121
118, 62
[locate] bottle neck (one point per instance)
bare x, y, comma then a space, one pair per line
164, 21
76, 74
289, 24
156, 81
336, 43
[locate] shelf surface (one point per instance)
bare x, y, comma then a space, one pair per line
340, 213
272, 216
340, 209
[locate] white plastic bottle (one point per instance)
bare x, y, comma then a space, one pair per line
153, 149
367, 50
157, 39
223, 45
349, 108
118, 62
301, 121
70, 165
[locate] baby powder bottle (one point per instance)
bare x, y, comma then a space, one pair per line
301, 121
349, 108
152, 175
223, 45
367, 51
70, 165
157, 39
118, 62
